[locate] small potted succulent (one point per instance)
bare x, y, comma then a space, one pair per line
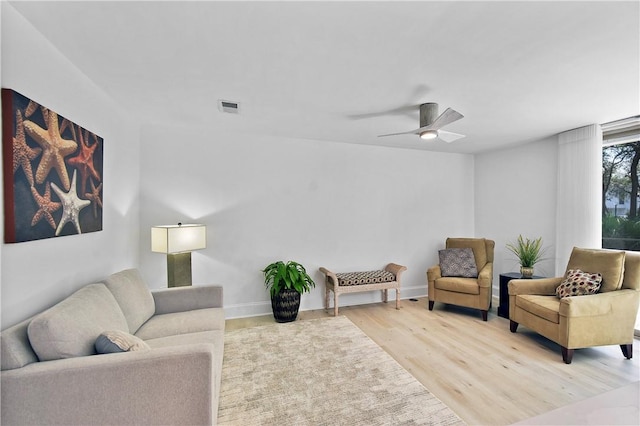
286, 282
529, 252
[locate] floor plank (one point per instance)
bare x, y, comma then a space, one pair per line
485, 373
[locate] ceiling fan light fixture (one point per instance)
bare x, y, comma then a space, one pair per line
429, 134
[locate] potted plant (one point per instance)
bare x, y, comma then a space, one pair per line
286, 282
529, 252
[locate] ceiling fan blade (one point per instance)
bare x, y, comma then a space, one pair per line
411, 132
449, 137
447, 117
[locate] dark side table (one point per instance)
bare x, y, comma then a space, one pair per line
503, 309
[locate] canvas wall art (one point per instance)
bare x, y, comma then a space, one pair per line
53, 172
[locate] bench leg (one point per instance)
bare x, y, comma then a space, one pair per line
326, 298
335, 304
385, 295
397, 298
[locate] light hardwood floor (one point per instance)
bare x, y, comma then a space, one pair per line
485, 373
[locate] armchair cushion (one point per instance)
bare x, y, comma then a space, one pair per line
547, 307
606, 262
579, 283
458, 262
458, 285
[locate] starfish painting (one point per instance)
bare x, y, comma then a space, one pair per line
45, 207
84, 162
94, 197
23, 153
71, 205
54, 147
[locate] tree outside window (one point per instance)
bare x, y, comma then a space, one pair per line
620, 202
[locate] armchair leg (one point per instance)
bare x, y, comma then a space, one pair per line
513, 326
627, 350
431, 303
484, 315
567, 355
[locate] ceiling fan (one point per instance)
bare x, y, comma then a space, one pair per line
431, 123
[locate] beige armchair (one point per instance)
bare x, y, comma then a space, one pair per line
465, 291
604, 318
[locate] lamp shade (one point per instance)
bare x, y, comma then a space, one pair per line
178, 238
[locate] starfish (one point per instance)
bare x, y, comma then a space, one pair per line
71, 205
45, 207
84, 163
55, 148
94, 196
23, 153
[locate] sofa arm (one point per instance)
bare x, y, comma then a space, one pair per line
172, 385
188, 298
542, 286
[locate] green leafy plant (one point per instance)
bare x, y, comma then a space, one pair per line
292, 275
529, 252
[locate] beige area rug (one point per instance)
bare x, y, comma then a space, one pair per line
319, 372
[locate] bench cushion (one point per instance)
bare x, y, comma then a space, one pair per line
368, 277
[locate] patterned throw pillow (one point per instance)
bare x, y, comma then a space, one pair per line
578, 283
458, 262
119, 341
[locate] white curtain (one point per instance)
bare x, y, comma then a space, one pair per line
579, 196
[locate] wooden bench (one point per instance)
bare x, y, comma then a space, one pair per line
355, 282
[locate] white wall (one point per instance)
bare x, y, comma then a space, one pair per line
37, 274
345, 207
516, 194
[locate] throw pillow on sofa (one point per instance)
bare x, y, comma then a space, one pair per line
578, 283
119, 341
458, 262
70, 328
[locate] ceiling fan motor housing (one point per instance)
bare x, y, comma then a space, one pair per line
428, 113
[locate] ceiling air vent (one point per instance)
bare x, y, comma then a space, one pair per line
228, 106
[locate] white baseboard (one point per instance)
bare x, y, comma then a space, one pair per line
255, 309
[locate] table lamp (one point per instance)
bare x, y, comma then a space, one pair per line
177, 242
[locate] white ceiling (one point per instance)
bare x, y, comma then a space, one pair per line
348, 71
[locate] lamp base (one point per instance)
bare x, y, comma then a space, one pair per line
179, 269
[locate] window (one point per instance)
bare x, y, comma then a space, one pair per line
620, 185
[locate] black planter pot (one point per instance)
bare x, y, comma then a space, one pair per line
285, 305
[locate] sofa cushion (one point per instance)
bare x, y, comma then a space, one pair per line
609, 263
182, 322
70, 328
133, 296
478, 245
119, 341
458, 262
578, 283
15, 349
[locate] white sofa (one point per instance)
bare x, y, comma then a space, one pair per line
51, 373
